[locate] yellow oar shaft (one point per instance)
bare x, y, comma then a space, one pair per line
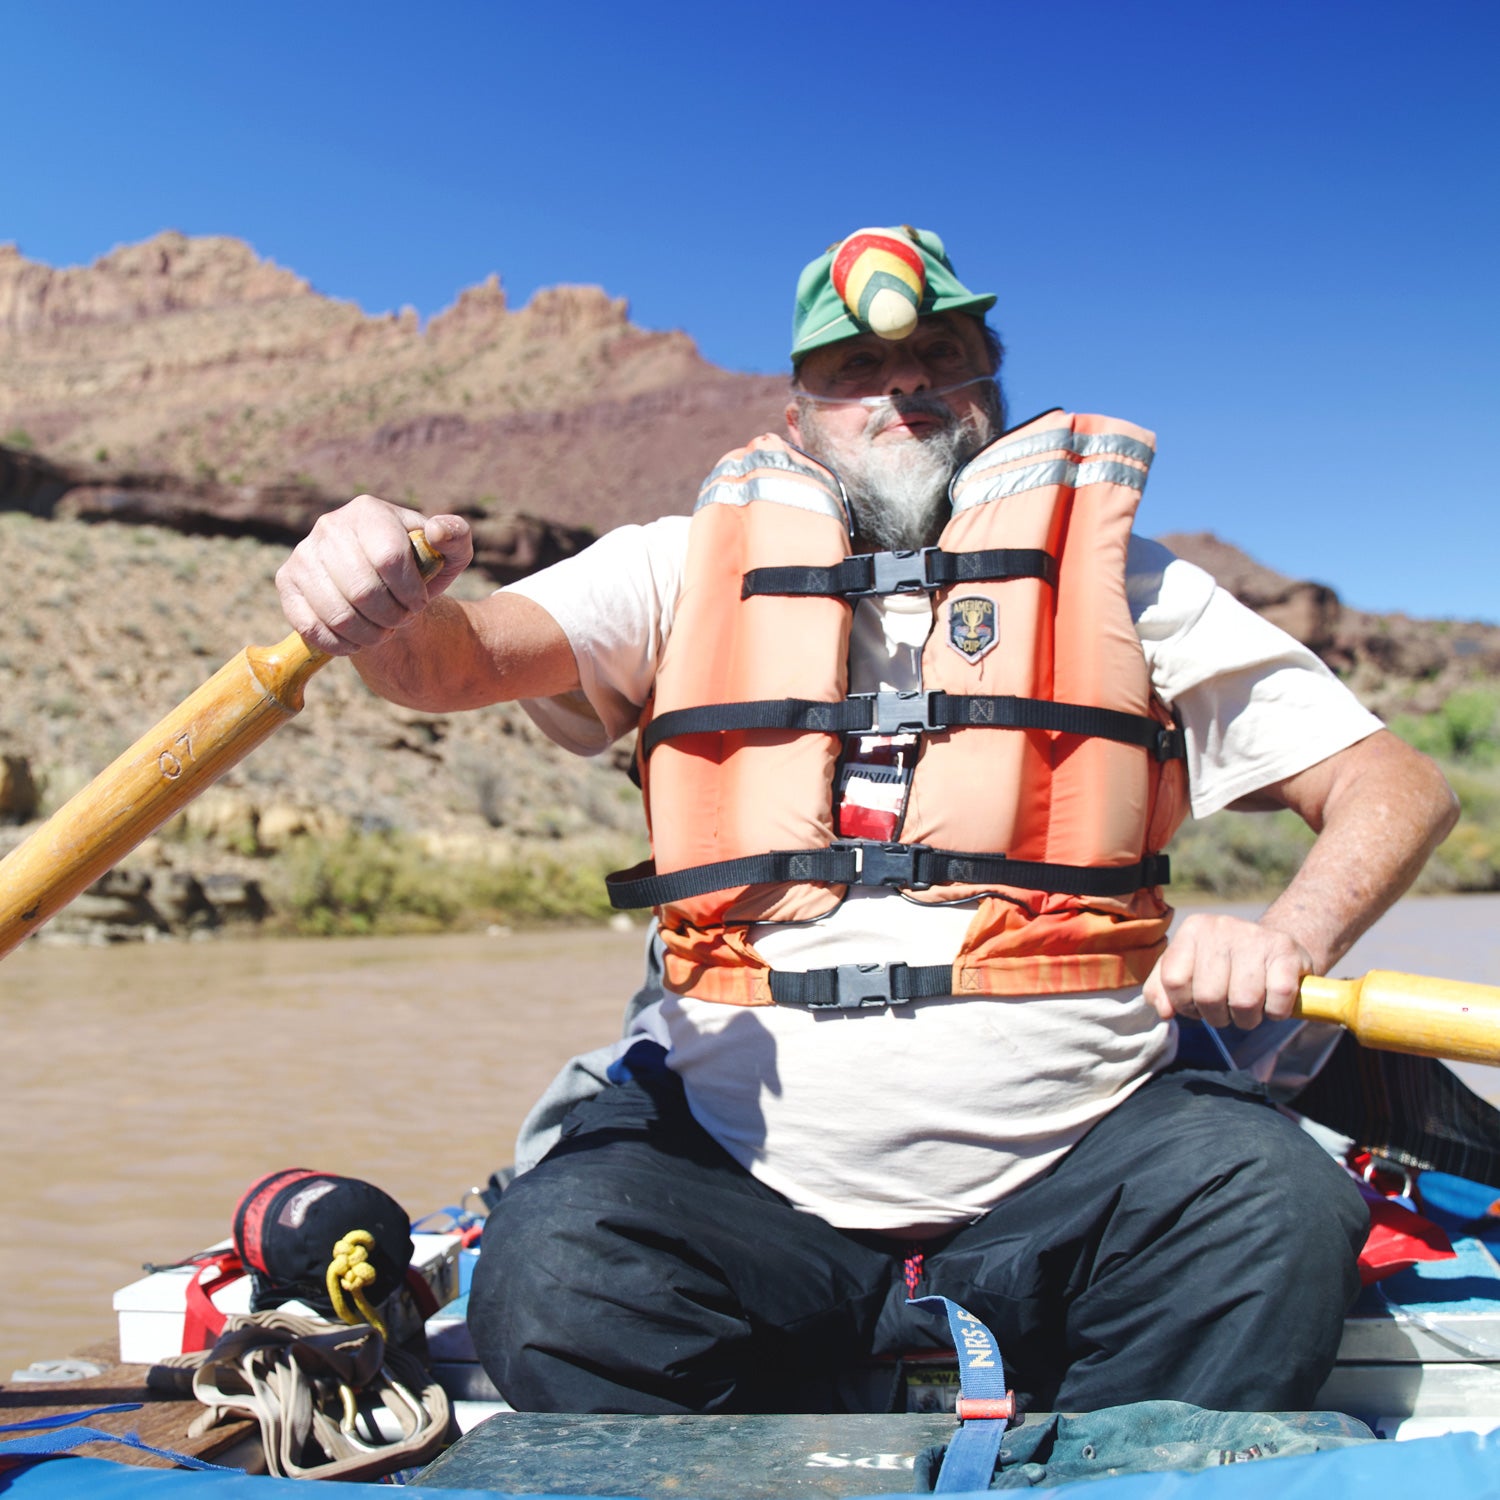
1410, 1013
244, 702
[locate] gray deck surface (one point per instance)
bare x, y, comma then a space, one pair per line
680, 1458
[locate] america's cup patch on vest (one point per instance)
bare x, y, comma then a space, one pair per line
972, 626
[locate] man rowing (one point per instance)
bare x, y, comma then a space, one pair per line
918, 714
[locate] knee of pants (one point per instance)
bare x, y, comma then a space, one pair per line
1272, 1176
577, 1263
584, 1305
1190, 1133
522, 1279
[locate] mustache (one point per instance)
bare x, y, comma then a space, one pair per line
899, 407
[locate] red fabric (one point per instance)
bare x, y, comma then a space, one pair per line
251, 1213
202, 1322
1399, 1238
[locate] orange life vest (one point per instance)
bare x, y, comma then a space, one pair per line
1048, 776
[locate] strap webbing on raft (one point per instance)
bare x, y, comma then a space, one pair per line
52, 1437
202, 1321
913, 867
894, 712
914, 572
984, 1405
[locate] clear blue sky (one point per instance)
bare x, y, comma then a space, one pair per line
1265, 228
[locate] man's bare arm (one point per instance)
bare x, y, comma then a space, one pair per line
351, 588
1379, 808
464, 655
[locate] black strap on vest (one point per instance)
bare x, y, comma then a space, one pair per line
912, 867
915, 572
856, 986
910, 713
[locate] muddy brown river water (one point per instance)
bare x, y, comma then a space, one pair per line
142, 1089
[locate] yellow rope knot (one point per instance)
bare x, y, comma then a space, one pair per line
350, 1271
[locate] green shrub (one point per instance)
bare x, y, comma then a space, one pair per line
1469, 860
1237, 856
363, 883
1465, 729
545, 888
1478, 793
384, 883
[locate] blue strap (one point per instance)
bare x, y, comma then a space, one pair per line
65, 1440
457, 1217
969, 1463
61, 1439
67, 1418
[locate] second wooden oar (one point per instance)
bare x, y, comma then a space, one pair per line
246, 700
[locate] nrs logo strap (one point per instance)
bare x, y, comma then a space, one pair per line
984, 1407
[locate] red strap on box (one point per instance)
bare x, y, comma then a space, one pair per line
202, 1322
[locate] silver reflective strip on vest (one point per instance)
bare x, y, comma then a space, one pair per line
1064, 439
1036, 476
795, 484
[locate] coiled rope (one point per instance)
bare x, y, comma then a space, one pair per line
351, 1271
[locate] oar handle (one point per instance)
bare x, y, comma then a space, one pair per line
1410, 1013
285, 661
429, 561
282, 670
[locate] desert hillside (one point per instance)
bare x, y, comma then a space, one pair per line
117, 624
213, 383
1396, 664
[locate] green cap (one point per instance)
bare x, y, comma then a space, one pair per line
877, 281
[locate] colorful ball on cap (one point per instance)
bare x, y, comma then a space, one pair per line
882, 280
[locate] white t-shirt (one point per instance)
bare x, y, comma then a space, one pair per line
921, 1117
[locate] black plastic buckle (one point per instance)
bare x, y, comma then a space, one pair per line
887, 864
897, 713
900, 572
1168, 744
856, 986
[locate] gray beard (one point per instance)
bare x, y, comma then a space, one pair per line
899, 493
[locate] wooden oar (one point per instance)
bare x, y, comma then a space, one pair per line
246, 700
1409, 1013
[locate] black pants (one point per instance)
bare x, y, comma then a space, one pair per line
1195, 1246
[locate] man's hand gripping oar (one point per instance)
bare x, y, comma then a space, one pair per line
246, 700
1391, 1012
